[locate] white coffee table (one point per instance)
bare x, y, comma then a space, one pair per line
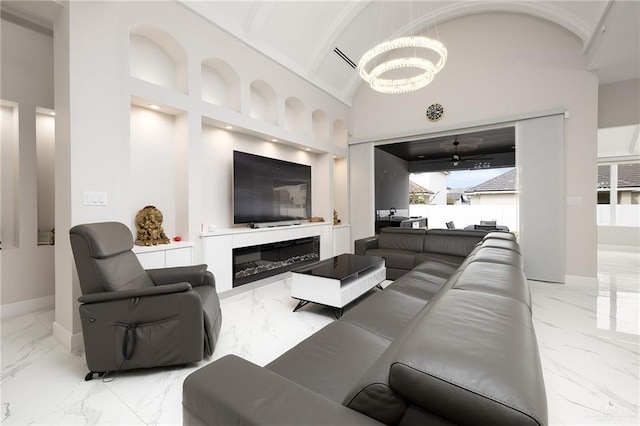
338, 281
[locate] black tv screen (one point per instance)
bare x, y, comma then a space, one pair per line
269, 190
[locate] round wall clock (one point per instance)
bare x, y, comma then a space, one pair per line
434, 112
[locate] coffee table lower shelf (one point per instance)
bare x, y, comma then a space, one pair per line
337, 291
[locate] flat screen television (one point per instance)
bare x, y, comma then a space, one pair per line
269, 190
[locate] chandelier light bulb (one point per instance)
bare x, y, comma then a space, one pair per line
402, 85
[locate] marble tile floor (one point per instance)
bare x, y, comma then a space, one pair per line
588, 338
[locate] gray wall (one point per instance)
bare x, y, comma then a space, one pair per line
392, 181
618, 104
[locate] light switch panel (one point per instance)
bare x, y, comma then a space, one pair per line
94, 198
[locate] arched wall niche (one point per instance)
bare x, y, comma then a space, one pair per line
263, 105
156, 57
295, 115
220, 84
340, 134
320, 125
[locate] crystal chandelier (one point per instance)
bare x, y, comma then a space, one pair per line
427, 68
402, 64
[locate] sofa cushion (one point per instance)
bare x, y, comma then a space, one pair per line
395, 258
446, 259
451, 242
394, 274
497, 255
437, 264
473, 358
501, 236
503, 244
401, 239
371, 394
503, 280
418, 285
386, 313
331, 361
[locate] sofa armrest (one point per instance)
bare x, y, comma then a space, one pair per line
108, 296
234, 391
195, 275
362, 245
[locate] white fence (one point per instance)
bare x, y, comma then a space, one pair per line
463, 215
626, 215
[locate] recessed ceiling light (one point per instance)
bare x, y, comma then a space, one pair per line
420, 156
307, 149
52, 113
274, 140
154, 107
228, 127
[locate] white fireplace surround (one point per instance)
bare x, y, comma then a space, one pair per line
219, 245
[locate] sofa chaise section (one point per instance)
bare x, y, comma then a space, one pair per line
404, 249
233, 391
428, 349
472, 358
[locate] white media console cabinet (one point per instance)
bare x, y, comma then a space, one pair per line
219, 245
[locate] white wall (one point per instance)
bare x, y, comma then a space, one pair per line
341, 190
103, 143
27, 81
46, 153
218, 146
519, 65
152, 136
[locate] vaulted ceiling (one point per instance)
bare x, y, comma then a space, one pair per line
303, 35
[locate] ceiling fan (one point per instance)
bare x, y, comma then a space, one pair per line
456, 158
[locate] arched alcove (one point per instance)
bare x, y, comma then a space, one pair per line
263, 104
295, 115
220, 84
9, 168
320, 124
156, 57
340, 133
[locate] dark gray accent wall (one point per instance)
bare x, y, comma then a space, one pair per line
392, 181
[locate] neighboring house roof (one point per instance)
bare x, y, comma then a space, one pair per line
628, 176
500, 183
415, 188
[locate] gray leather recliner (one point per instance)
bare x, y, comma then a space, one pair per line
136, 318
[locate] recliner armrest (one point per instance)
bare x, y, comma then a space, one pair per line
196, 275
362, 245
232, 390
139, 292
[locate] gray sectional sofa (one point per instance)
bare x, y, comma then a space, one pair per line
404, 249
449, 342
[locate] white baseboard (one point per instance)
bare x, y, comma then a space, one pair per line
614, 247
71, 342
27, 307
